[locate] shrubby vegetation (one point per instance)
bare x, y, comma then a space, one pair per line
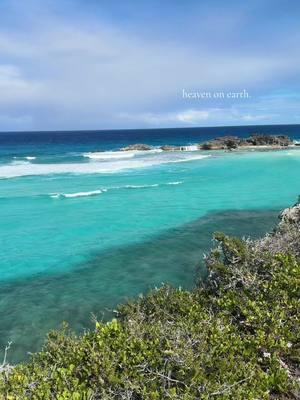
236, 336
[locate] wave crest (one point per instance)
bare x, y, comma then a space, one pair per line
103, 190
78, 194
175, 183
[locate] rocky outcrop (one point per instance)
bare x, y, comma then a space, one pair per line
138, 146
145, 147
221, 143
290, 215
168, 147
269, 140
224, 143
285, 237
257, 140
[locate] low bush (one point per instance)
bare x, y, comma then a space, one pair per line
235, 336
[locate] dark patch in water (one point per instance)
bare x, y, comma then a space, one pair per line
30, 308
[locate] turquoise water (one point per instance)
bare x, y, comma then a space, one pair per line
80, 233
43, 234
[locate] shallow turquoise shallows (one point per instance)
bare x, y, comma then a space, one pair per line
80, 234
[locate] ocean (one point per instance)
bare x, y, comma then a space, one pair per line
85, 226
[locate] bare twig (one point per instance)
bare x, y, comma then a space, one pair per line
228, 388
5, 355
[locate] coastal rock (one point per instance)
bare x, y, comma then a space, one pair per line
285, 237
269, 140
234, 142
290, 215
168, 147
138, 146
221, 143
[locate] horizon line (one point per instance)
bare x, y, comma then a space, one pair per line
143, 129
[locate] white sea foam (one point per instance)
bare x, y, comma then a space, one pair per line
19, 162
192, 147
19, 159
138, 186
146, 186
103, 190
175, 183
78, 194
25, 168
112, 155
108, 155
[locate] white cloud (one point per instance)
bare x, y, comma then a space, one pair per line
66, 74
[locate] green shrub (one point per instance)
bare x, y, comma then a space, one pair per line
236, 336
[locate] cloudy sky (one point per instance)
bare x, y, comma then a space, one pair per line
102, 64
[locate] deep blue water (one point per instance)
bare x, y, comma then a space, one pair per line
20, 143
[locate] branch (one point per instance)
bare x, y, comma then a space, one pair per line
227, 388
5, 356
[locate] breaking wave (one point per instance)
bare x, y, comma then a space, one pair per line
78, 194
175, 183
137, 186
112, 155
26, 168
103, 190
